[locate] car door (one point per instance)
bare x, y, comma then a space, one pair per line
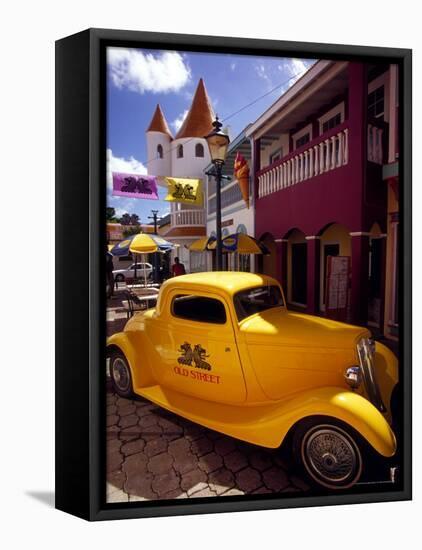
197, 348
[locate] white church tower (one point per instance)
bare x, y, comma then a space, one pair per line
184, 156
159, 140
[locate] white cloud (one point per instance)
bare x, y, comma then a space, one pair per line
177, 123
164, 212
118, 164
120, 211
262, 72
294, 68
232, 66
145, 72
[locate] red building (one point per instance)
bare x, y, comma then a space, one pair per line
318, 156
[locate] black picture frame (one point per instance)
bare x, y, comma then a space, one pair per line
80, 268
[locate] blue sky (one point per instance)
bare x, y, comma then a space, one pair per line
139, 79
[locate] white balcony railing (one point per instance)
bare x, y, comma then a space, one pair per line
328, 154
188, 217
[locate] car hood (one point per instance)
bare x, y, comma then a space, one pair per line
279, 326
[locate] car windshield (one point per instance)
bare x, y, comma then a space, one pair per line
257, 299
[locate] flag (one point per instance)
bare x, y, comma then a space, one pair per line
184, 190
135, 186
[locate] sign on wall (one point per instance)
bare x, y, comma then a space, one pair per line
337, 286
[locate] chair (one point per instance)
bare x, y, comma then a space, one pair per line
133, 303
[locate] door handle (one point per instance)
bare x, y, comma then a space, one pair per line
227, 349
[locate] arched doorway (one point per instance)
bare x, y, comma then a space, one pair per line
267, 263
335, 240
297, 263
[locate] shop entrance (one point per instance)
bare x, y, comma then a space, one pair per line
299, 273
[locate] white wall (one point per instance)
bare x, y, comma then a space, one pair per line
189, 166
157, 166
282, 141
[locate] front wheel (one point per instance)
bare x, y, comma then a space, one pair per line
120, 375
329, 454
119, 278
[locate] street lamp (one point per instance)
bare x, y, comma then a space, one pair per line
218, 143
154, 217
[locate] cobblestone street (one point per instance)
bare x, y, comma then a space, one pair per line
153, 454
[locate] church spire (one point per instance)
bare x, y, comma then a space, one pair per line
158, 123
198, 122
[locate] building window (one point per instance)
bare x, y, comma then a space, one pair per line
331, 123
160, 151
180, 151
376, 102
276, 155
199, 150
303, 140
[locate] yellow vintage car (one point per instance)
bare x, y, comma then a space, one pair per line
221, 349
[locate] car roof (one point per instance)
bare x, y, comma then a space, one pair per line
227, 281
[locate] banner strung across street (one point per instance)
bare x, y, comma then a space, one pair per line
184, 190
135, 186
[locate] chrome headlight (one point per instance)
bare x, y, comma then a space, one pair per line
366, 353
353, 376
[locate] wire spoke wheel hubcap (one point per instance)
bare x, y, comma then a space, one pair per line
331, 457
120, 374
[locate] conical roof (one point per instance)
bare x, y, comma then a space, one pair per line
198, 122
159, 123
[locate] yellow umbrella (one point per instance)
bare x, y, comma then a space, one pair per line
202, 244
143, 243
243, 244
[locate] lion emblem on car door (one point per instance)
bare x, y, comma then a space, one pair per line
196, 356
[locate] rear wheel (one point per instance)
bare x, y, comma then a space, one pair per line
330, 454
120, 375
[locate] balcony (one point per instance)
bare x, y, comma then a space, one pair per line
323, 154
230, 195
188, 218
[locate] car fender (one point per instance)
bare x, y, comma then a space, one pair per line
387, 374
139, 364
347, 406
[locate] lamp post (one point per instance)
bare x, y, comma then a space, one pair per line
154, 217
218, 143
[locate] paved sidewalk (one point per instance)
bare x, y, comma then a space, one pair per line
153, 454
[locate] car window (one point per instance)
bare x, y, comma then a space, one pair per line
257, 299
198, 308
